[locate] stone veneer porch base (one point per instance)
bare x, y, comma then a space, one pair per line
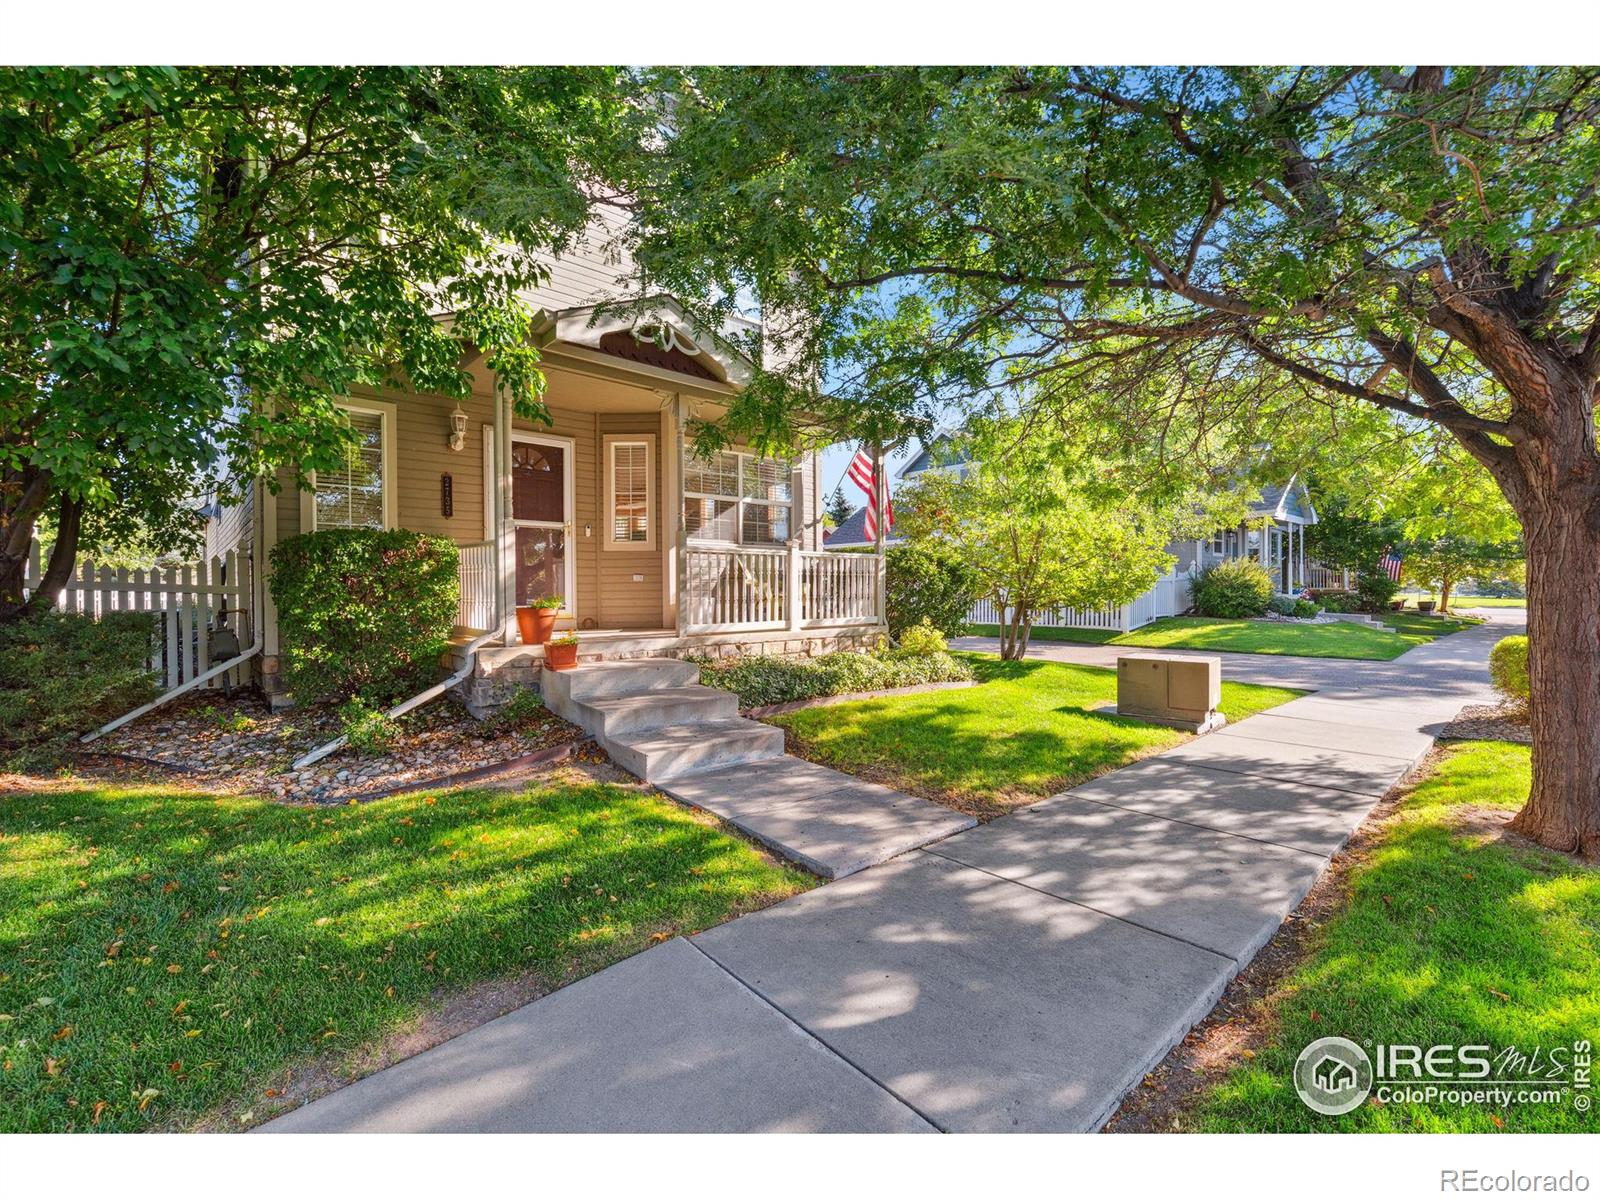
500, 670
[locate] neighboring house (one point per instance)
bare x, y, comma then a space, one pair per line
1272, 533
653, 550
852, 534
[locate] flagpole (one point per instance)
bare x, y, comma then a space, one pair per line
880, 492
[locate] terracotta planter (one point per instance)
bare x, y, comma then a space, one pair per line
535, 624
561, 658
1397, 605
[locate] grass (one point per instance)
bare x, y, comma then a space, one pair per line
166, 957
1458, 601
1343, 639
1027, 731
1450, 936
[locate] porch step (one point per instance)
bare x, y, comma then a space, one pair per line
672, 751
654, 709
608, 680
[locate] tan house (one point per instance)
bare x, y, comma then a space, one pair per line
654, 551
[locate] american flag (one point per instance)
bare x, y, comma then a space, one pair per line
862, 475
1389, 564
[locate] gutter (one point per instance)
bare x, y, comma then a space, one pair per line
254, 650
405, 706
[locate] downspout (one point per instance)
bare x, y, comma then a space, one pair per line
257, 590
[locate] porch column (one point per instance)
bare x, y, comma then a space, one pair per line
505, 540
880, 494
672, 506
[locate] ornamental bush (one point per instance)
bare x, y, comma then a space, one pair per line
1306, 609
1508, 668
1233, 588
928, 585
1374, 591
920, 639
63, 674
363, 612
760, 680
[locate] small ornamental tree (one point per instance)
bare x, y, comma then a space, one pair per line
363, 612
1034, 520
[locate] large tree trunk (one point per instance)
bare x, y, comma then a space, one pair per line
63, 556
23, 497
1563, 809
1444, 593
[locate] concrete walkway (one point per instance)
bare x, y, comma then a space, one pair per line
1019, 976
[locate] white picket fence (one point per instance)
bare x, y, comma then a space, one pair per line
192, 602
1168, 597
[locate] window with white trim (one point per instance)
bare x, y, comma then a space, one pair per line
630, 522
356, 495
737, 498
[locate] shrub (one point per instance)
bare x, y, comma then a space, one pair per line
928, 585
1306, 608
369, 732
1374, 591
525, 707
1508, 668
363, 612
1235, 587
1339, 602
922, 638
1284, 606
759, 680
63, 674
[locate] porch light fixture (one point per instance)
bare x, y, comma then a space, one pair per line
458, 429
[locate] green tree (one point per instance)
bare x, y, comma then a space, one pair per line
1425, 241
179, 247
1039, 525
839, 509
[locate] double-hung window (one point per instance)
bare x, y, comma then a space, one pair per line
359, 493
737, 498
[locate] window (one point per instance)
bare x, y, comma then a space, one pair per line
630, 523
1219, 543
733, 497
360, 493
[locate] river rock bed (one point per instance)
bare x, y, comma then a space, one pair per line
239, 745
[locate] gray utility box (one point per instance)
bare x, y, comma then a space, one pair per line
1171, 689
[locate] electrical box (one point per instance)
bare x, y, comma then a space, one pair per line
1171, 689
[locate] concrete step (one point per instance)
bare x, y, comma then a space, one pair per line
654, 709
673, 751
627, 677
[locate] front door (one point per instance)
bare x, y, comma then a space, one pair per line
541, 511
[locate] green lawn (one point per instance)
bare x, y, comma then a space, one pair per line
165, 957
1025, 732
1341, 640
1466, 602
1448, 938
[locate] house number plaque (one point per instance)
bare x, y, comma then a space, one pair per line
447, 495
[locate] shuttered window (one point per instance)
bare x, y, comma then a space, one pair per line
630, 523
353, 496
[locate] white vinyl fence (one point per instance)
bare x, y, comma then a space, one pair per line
1167, 598
192, 602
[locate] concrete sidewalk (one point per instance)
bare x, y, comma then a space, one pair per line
1019, 976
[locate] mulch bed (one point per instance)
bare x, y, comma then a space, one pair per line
239, 745
1491, 723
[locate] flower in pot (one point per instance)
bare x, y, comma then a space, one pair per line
561, 654
536, 620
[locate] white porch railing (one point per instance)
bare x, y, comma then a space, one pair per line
838, 589
475, 608
728, 589
191, 604
1332, 578
725, 589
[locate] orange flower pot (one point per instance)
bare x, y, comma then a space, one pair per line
536, 625
561, 657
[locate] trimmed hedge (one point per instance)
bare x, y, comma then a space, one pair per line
363, 612
62, 674
1233, 588
759, 679
925, 585
1508, 668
